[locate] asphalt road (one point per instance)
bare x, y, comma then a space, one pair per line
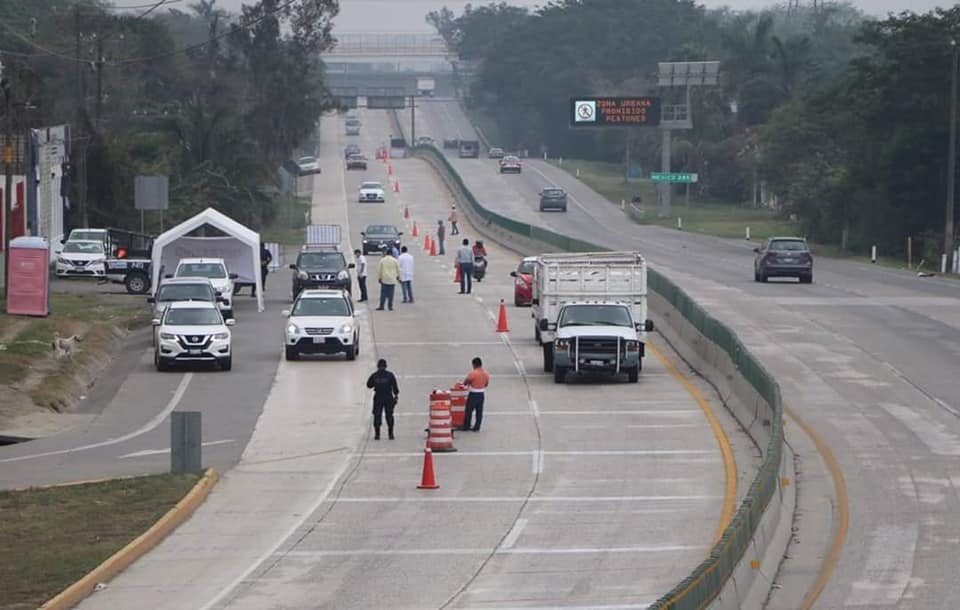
588, 495
869, 356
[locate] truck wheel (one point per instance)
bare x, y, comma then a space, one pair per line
559, 374
633, 375
547, 357
136, 283
292, 353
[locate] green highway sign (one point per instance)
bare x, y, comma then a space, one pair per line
674, 178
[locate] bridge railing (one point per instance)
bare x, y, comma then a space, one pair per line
388, 44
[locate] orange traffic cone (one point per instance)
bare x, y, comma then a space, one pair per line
389, 169
426, 242
415, 232
427, 479
406, 213
456, 274
396, 186
502, 319
433, 247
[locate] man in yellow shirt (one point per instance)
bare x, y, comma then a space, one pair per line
388, 274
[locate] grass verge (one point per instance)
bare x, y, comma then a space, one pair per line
53, 536
287, 228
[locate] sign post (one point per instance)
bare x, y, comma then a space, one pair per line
151, 193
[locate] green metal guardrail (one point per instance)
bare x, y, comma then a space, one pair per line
707, 580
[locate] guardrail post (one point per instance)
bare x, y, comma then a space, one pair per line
186, 442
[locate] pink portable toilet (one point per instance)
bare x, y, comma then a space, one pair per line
29, 285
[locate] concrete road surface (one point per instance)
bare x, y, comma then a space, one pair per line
869, 356
595, 494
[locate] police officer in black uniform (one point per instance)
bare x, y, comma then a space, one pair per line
385, 394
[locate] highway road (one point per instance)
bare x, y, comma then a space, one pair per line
595, 494
868, 356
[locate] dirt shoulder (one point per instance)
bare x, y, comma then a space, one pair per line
41, 385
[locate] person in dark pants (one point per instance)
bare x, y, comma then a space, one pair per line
385, 395
265, 259
441, 233
477, 381
361, 274
465, 262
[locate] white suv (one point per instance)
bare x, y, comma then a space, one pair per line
321, 322
192, 331
214, 269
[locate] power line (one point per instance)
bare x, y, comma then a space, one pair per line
139, 6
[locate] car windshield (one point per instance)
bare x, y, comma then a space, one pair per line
595, 315
788, 245
321, 307
553, 192
211, 270
86, 235
184, 292
321, 260
305, 160
193, 317
79, 247
371, 185
526, 267
381, 230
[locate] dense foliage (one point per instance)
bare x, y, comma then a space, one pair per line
822, 113
215, 101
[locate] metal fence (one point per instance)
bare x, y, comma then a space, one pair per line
706, 582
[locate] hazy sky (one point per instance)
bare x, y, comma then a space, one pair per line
407, 15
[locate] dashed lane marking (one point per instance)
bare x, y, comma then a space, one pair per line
514, 534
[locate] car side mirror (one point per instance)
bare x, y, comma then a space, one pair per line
400, 233
285, 313
168, 276
151, 300
352, 266
364, 233
757, 250
513, 274
648, 326
292, 266
220, 299
544, 324
155, 322
230, 322
233, 276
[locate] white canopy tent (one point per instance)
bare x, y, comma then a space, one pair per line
239, 247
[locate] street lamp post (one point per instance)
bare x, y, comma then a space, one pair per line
8, 178
951, 157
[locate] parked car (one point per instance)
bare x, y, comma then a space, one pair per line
495, 153
321, 322
308, 166
371, 191
81, 259
553, 198
192, 332
350, 150
510, 165
523, 282
451, 144
423, 141
214, 269
783, 257
356, 162
321, 266
378, 237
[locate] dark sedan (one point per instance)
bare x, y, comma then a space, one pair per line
350, 150
783, 257
553, 198
356, 162
378, 237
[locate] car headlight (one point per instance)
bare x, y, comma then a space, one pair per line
221, 336
365, 241
633, 346
346, 329
167, 336
562, 344
60, 259
302, 275
293, 329
343, 275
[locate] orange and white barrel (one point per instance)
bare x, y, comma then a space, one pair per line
458, 404
441, 430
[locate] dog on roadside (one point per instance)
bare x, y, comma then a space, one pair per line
63, 347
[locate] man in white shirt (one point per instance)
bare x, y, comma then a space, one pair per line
406, 274
361, 274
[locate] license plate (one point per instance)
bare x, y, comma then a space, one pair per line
597, 362
195, 352
789, 260
319, 339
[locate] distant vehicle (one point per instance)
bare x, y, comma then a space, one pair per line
783, 257
426, 86
351, 149
321, 266
510, 165
424, 141
353, 127
451, 144
308, 165
81, 259
495, 153
214, 269
553, 198
356, 162
100, 235
371, 191
177, 289
191, 332
378, 237
469, 149
523, 282
321, 322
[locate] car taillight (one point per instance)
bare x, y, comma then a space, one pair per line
771, 255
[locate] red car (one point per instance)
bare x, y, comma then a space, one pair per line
523, 282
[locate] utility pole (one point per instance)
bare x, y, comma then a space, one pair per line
413, 120
951, 157
8, 178
99, 104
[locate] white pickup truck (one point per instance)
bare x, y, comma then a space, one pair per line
590, 312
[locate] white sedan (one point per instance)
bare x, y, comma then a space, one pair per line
191, 332
308, 165
82, 259
371, 191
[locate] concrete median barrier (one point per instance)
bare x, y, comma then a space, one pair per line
740, 568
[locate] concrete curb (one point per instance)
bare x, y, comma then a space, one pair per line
123, 558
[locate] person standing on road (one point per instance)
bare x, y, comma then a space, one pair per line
361, 274
385, 395
441, 233
388, 275
406, 274
454, 218
465, 262
477, 381
265, 259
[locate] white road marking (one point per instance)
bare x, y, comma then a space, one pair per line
638, 452
433, 343
658, 412
167, 450
650, 548
513, 534
456, 376
497, 499
565, 607
535, 408
537, 462
888, 568
931, 433
147, 427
